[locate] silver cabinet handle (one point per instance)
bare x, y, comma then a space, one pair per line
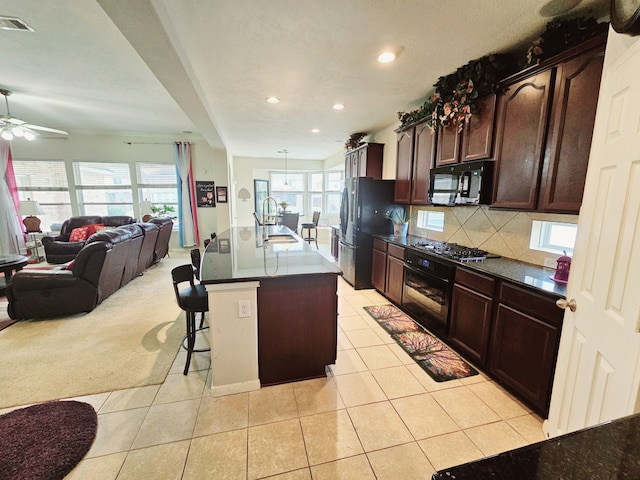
563, 304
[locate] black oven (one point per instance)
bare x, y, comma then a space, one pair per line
427, 290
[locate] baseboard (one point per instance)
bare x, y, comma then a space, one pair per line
221, 390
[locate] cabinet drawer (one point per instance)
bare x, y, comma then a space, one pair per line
395, 251
380, 244
531, 303
475, 281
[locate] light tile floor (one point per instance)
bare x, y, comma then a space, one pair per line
378, 416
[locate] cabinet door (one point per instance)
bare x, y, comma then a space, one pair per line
572, 119
395, 278
523, 355
470, 323
361, 162
424, 144
379, 269
350, 164
521, 125
448, 151
477, 137
404, 160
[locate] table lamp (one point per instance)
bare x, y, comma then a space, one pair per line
29, 209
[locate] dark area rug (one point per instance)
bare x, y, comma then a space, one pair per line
45, 441
435, 358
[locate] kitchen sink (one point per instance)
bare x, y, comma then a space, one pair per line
281, 238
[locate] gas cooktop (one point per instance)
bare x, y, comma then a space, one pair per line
454, 251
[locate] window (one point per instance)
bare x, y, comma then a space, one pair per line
46, 182
430, 220
103, 188
553, 237
309, 191
157, 183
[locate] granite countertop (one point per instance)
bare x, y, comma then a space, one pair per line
240, 254
606, 451
515, 271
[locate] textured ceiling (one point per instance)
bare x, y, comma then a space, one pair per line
169, 66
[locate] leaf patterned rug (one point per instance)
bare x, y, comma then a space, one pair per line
435, 358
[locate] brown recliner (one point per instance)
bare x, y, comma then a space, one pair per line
164, 235
58, 248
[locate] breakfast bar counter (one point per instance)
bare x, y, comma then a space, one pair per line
273, 308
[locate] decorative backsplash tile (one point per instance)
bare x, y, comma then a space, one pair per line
506, 233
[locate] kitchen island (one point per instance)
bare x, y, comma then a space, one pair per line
273, 308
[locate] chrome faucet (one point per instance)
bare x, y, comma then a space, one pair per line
265, 214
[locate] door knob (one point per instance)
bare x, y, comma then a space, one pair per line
563, 303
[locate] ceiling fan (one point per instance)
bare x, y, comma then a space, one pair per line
11, 127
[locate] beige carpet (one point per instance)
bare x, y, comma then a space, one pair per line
129, 340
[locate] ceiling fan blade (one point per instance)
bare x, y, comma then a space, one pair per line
13, 120
45, 129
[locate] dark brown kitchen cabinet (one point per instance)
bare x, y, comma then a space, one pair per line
415, 152
387, 269
364, 161
477, 136
521, 126
395, 273
544, 125
379, 265
448, 150
471, 314
474, 142
524, 344
573, 116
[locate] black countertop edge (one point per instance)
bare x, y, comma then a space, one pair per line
516, 271
605, 451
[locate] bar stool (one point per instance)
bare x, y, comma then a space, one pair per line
309, 227
192, 299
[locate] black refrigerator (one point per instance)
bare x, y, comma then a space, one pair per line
365, 202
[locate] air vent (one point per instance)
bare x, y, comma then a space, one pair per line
14, 23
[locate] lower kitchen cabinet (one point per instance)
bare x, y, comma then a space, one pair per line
379, 265
387, 269
524, 344
395, 273
471, 311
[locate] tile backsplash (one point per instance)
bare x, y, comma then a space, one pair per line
506, 233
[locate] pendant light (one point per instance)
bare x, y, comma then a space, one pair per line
286, 185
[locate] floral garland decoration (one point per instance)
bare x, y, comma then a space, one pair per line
455, 94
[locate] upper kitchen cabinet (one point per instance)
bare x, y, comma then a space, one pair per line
415, 152
573, 116
364, 161
521, 125
544, 124
474, 142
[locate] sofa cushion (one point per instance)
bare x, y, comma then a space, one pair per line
79, 234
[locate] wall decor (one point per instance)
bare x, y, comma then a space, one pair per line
204, 194
221, 194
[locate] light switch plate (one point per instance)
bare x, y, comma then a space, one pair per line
244, 308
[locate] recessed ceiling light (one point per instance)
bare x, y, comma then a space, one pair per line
386, 57
273, 100
315, 130
338, 106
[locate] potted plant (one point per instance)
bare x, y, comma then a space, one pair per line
400, 221
163, 211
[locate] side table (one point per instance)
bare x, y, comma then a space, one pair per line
31, 243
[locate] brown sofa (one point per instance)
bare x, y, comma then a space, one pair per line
108, 261
58, 248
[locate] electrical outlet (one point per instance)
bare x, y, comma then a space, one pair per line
244, 308
550, 262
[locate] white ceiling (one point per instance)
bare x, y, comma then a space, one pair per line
172, 66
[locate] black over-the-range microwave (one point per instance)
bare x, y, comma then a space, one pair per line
462, 184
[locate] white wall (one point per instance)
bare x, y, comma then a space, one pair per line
247, 169
208, 164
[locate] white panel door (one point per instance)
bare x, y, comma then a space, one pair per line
598, 369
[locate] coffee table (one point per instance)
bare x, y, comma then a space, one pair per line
9, 264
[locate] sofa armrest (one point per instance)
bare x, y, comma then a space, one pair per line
42, 279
